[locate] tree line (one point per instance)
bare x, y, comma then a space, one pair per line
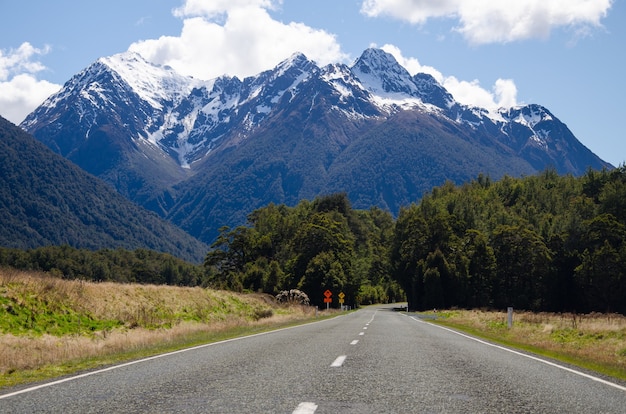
543, 243
105, 265
315, 246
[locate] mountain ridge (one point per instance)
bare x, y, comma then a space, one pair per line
166, 147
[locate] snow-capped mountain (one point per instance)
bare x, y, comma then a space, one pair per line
160, 137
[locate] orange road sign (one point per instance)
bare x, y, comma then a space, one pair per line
328, 293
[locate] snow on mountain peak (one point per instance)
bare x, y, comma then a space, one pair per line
297, 59
383, 75
526, 115
153, 83
295, 69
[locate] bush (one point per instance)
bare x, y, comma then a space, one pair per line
293, 296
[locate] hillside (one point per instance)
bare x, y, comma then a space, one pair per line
46, 200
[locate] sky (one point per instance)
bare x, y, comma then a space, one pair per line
567, 55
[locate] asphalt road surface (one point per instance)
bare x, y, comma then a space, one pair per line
374, 360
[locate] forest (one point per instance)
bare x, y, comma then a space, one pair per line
540, 243
110, 265
546, 242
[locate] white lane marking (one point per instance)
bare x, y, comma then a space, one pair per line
356, 341
305, 408
339, 361
365, 327
87, 374
361, 333
573, 371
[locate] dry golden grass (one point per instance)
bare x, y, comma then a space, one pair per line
597, 338
145, 315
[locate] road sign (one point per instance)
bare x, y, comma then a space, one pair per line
327, 298
341, 295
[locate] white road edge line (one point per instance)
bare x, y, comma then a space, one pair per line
356, 341
111, 368
305, 408
573, 371
339, 361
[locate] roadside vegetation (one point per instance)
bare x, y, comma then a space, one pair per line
50, 326
592, 341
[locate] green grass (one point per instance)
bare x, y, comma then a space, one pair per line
30, 315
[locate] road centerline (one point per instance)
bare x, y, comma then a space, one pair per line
338, 362
305, 408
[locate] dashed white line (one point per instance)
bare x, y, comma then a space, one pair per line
361, 333
305, 408
372, 319
339, 361
356, 341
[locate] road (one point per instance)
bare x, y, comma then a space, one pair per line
374, 360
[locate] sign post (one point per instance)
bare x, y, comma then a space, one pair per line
328, 298
341, 296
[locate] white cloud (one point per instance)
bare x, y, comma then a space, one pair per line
236, 38
503, 94
483, 21
22, 94
20, 90
215, 8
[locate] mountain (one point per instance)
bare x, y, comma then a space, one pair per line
205, 153
47, 200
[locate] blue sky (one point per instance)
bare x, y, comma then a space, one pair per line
567, 55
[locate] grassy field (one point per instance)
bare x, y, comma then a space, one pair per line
50, 326
595, 341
